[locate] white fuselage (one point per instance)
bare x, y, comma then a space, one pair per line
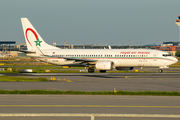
120, 57
101, 59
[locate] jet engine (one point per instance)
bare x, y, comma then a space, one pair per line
104, 65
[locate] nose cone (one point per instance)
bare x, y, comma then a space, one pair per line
176, 60
172, 61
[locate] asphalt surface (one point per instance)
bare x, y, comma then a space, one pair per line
131, 106
98, 82
150, 69
161, 105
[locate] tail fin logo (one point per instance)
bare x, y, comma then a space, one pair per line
38, 42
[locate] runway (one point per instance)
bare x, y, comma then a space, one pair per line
163, 105
99, 82
132, 107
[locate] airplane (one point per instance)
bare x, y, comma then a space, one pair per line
99, 59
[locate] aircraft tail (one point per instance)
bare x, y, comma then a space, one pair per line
33, 39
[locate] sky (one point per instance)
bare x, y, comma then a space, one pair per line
115, 22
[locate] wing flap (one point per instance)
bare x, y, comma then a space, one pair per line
79, 59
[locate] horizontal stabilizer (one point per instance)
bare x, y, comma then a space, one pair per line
27, 51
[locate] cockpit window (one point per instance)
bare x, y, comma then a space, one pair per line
165, 55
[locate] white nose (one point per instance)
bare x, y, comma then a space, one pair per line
175, 60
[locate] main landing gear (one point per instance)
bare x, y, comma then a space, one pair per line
160, 70
90, 70
102, 71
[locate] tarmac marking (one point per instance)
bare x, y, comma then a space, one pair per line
54, 79
137, 76
90, 106
69, 81
86, 114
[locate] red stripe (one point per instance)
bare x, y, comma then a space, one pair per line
32, 32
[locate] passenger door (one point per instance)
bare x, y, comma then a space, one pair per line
155, 56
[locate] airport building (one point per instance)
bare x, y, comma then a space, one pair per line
6, 49
170, 47
6, 45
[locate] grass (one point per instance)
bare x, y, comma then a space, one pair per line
70, 92
21, 79
17, 59
174, 66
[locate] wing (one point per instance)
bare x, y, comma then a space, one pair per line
79, 60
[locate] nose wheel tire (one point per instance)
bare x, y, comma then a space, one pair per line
160, 70
90, 70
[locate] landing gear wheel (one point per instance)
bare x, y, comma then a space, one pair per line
90, 70
160, 70
102, 71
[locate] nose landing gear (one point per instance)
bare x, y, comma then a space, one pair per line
160, 70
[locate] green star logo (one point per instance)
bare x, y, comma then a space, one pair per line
38, 42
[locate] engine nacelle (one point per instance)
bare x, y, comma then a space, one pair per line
104, 65
124, 68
